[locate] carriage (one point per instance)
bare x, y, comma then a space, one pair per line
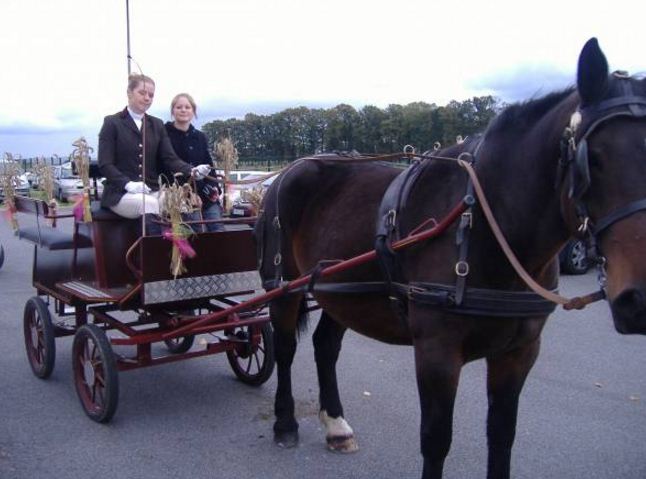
112, 290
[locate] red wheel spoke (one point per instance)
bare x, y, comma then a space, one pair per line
257, 361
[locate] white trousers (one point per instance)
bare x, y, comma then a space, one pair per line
133, 205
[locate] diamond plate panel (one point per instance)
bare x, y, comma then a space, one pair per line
200, 287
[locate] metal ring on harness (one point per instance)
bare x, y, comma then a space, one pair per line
462, 268
466, 156
409, 150
278, 259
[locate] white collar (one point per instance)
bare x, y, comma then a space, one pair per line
135, 116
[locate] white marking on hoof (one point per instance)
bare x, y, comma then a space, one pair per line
338, 434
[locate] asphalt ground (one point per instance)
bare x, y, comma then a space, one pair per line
582, 412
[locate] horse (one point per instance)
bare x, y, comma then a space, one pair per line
570, 163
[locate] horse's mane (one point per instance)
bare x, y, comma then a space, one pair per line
519, 116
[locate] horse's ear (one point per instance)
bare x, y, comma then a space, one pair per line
592, 74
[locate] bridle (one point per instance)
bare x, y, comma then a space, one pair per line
575, 165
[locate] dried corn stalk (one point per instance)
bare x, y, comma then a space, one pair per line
254, 198
175, 200
81, 159
45, 173
8, 181
228, 155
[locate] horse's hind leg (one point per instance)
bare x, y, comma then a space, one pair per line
327, 344
506, 375
284, 313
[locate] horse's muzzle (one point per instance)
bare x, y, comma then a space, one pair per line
629, 311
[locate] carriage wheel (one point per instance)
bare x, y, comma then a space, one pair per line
253, 364
180, 345
1, 256
95, 373
39, 337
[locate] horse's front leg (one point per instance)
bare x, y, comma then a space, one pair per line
327, 341
284, 313
506, 376
437, 365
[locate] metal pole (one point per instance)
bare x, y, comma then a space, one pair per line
128, 32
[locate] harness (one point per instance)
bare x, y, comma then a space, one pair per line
456, 298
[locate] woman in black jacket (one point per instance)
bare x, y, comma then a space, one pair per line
191, 145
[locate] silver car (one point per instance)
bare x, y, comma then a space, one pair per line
67, 185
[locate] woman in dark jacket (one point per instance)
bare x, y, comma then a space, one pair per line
191, 145
131, 186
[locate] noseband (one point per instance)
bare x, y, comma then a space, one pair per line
574, 148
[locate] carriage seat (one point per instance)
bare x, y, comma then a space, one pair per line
44, 235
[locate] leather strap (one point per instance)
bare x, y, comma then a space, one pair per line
618, 214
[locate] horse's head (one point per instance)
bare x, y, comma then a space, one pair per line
607, 189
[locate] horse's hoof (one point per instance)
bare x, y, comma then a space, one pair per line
286, 440
342, 444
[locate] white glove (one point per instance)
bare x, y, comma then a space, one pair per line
200, 171
137, 187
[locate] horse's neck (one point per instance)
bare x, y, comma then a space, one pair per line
521, 189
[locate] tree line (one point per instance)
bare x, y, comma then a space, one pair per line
302, 131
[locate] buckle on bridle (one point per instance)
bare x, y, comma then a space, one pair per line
584, 227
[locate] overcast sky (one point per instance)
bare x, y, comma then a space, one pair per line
64, 62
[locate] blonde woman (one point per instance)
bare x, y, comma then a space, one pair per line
191, 145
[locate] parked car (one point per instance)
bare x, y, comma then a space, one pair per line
67, 184
574, 257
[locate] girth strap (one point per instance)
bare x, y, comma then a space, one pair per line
476, 301
481, 302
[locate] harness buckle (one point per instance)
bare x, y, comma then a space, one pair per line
584, 226
467, 220
391, 218
462, 268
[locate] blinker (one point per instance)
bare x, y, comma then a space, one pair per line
580, 174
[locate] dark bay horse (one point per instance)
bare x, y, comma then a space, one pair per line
572, 162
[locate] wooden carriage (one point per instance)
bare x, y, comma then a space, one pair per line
110, 287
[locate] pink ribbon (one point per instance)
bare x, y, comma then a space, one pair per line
78, 207
183, 246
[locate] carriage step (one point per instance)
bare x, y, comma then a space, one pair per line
90, 293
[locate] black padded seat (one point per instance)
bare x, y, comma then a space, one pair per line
53, 238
